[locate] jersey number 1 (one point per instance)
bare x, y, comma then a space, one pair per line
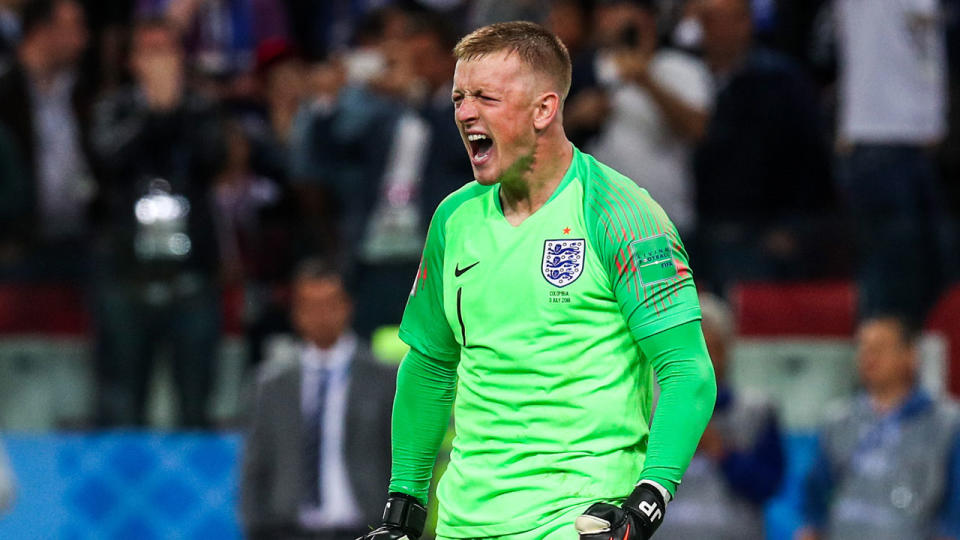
463, 329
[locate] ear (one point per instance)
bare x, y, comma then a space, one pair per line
547, 106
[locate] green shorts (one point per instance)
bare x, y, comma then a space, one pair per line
558, 528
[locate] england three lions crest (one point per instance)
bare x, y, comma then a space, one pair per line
562, 261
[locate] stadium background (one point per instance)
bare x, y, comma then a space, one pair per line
79, 476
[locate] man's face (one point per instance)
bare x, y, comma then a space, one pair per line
431, 60
494, 106
156, 53
321, 310
884, 358
68, 31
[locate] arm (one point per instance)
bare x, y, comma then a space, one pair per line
687, 120
654, 289
688, 392
421, 415
426, 386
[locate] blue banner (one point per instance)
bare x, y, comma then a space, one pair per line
123, 485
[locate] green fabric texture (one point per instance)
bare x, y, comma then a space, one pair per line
421, 413
688, 391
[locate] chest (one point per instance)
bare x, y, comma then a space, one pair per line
521, 282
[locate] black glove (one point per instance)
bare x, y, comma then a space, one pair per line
403, 519
637, 519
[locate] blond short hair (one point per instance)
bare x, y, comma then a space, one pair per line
536, 47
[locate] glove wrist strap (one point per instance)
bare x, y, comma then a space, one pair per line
647, 503
406, 513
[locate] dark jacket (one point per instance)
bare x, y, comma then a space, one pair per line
18, 222
135, 145
271, 476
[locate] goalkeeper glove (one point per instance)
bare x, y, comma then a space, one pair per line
637, 519
403, 519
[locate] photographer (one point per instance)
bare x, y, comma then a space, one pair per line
657, 102
157, 259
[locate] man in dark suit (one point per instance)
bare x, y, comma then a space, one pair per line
318, 444
44, 110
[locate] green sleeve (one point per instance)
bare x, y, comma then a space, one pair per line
421, 414
643, 255
688, 391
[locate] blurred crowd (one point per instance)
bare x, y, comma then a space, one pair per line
158, 153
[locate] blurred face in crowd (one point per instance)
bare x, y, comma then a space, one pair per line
613, 20
885, 358
285, 81
156, 53
431, 60
494, 98
566, 20
727, 28
321, 310
66, 35
326, 79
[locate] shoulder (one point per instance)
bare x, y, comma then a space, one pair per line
608, 193
948, 411
453, 202
603, 181
282, 360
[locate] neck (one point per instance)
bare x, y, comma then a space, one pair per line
887, 399
523, 194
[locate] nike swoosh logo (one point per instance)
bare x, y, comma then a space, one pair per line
459, 271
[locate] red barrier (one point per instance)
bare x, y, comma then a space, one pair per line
801, 309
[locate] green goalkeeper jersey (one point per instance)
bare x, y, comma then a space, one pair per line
554, 396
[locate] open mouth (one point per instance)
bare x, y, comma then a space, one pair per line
480, 146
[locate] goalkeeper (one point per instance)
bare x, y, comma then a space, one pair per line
551, 291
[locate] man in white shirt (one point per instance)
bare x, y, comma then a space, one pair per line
318, 445
659, 104
892, 99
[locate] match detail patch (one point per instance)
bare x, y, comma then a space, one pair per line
653, 257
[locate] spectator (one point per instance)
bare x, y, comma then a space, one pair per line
365, 164
763, 181
8, 484
158, 261
888, 462
446, 169
317, 451
740, 461
44, 109
283, 81
255, 224
892, 116
659, 101
250, 247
